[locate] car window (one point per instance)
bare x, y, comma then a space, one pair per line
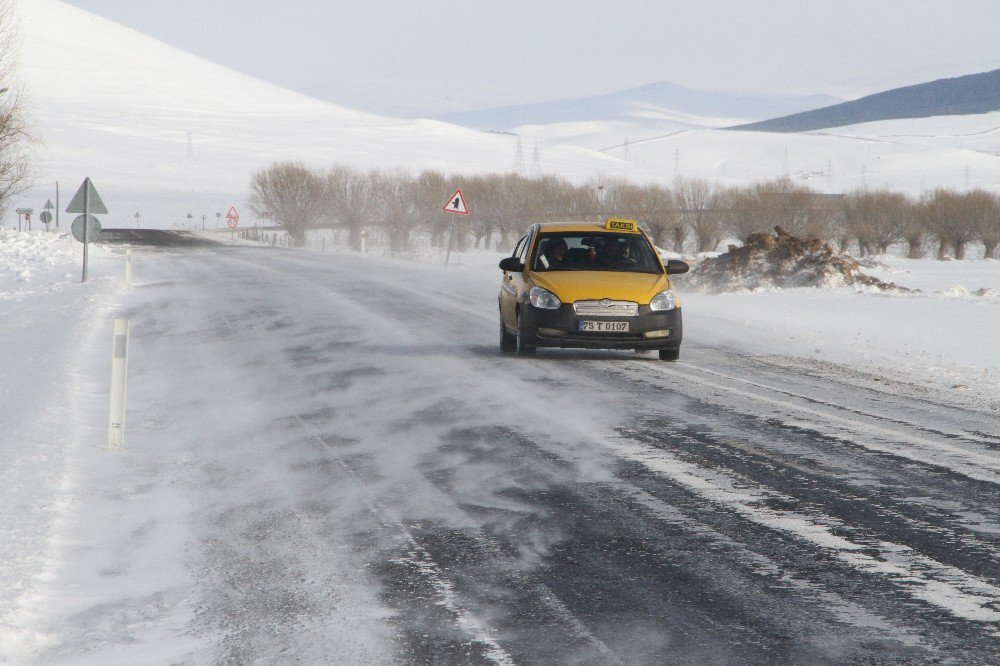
519, 248
522, 252
576, 251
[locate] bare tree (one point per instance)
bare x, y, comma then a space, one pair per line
747, 213
654, 208
431, 190
915, 229
614, 197
877, 219
396, 194
989, 228
14, 134
700, 204
502, 201
553, 199
350, 201
799, 210
480, 223
953, 217
291, 195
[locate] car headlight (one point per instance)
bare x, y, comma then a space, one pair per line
543, 298
665, 300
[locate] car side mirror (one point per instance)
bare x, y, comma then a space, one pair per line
511, 264
676, 267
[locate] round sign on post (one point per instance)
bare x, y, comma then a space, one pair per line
45, 217
232, 222
93, 228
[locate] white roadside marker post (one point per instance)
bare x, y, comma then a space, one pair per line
128, 268
119, 368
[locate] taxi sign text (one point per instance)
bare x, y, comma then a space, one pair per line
621, 224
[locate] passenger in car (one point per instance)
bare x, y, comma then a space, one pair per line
555, 254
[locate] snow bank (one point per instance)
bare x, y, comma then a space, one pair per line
32, 261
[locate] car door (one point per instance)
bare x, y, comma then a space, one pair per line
513, 284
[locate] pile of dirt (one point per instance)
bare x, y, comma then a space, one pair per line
782, 261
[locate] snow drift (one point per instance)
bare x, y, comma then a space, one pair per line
780, 261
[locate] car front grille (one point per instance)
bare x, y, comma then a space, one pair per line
606, 308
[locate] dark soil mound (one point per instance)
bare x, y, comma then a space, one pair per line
782, 261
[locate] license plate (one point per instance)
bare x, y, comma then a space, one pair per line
604, 326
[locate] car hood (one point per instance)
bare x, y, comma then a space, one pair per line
572, 286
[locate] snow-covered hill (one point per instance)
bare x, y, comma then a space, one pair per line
164, 134
651, 103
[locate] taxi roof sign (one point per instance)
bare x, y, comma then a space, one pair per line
621, 224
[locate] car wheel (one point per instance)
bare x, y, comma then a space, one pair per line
508, 343
522, 349
670, 354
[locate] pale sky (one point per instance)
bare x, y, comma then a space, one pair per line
430, 56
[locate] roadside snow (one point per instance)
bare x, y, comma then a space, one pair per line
50, 347
32, 261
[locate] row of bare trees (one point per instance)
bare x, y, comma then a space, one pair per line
689, 215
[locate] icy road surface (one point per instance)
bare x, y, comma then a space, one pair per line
328, 460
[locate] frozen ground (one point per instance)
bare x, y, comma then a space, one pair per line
327, 455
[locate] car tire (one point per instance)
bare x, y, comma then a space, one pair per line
670, 354
522, 349
508, 343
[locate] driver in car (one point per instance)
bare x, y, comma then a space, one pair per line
616, 255
556, 252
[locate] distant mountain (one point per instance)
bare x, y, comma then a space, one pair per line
974, 93
651, 102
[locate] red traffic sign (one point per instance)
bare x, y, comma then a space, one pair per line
456, 204
232, 217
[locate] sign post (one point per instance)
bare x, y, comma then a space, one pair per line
86, 201
46, 216
233, 219
26, 212
455, 204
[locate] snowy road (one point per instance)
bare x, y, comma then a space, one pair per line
322, 467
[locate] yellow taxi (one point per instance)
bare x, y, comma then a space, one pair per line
591, 286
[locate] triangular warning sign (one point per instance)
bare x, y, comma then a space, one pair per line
456, 204
94, 204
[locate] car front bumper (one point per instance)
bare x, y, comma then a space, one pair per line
560, 328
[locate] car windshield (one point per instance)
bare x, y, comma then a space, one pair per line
578, 251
